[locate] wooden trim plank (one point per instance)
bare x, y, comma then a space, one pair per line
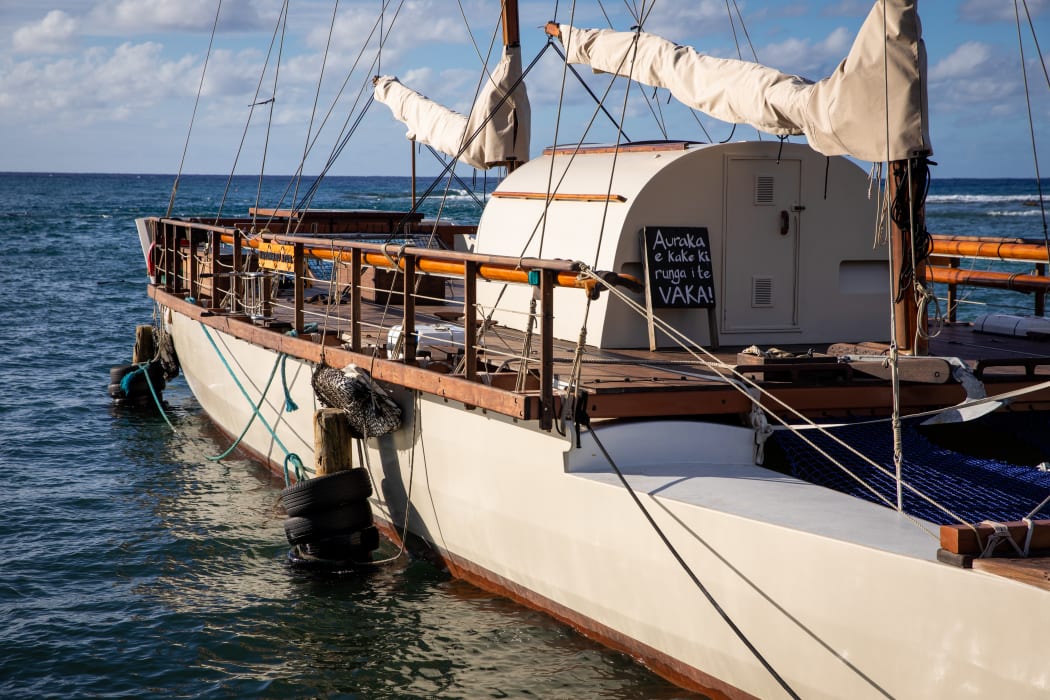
966, 539
560, 196
641, 147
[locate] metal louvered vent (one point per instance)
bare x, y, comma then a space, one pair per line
763, 190
761, 292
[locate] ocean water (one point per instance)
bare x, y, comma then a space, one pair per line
136, 567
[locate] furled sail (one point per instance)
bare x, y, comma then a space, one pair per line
844, 114
502, 138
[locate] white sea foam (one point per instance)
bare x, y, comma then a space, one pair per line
1030, 212
980, 198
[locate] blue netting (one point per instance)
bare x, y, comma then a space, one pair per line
975, 489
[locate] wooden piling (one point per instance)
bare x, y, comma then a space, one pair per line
332, 441
145, 346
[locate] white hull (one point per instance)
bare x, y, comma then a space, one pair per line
842, 598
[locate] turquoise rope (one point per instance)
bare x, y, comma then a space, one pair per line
125, 381
156, 399
255, 412
289, 455
289, 405
292, 457
125, 386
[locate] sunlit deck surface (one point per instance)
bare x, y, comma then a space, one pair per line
672, 381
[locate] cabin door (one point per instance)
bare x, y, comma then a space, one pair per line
760, 284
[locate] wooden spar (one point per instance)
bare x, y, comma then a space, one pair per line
412, 150
907, 324
511, 38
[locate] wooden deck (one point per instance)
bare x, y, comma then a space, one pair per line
489, 366
1034, 571
639, 383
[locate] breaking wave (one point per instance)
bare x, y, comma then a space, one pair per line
981, 198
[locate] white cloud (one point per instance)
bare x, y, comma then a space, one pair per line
974, 75
676, 20
966, 61
847, 8
52, 34
98, 85
419, 79
996, 10
813, 60
419, 21
175, 15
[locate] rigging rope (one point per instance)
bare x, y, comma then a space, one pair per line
272, 102
741, 381
468, 140
313, 111
688, 569
616, 150
193, 116
248, 121
1031, 121
307, 198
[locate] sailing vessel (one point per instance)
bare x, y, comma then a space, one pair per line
668, 392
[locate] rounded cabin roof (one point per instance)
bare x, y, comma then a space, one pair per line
603, 199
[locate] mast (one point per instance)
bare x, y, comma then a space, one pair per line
511, 38
511, 35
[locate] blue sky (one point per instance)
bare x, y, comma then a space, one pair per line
109, 85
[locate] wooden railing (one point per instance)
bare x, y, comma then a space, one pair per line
944, 266
234, 284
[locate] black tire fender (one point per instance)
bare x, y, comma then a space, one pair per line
350, 517
324, 492
119, 372
355, 546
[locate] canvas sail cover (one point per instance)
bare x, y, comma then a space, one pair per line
844, 114
504, 137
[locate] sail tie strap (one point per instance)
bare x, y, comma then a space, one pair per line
760, 425
1000, 534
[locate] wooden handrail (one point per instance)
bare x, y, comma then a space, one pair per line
496, 268
954, 248
543, 275
1017, 249
986, 278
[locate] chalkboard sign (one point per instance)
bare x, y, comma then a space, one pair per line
678, 267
